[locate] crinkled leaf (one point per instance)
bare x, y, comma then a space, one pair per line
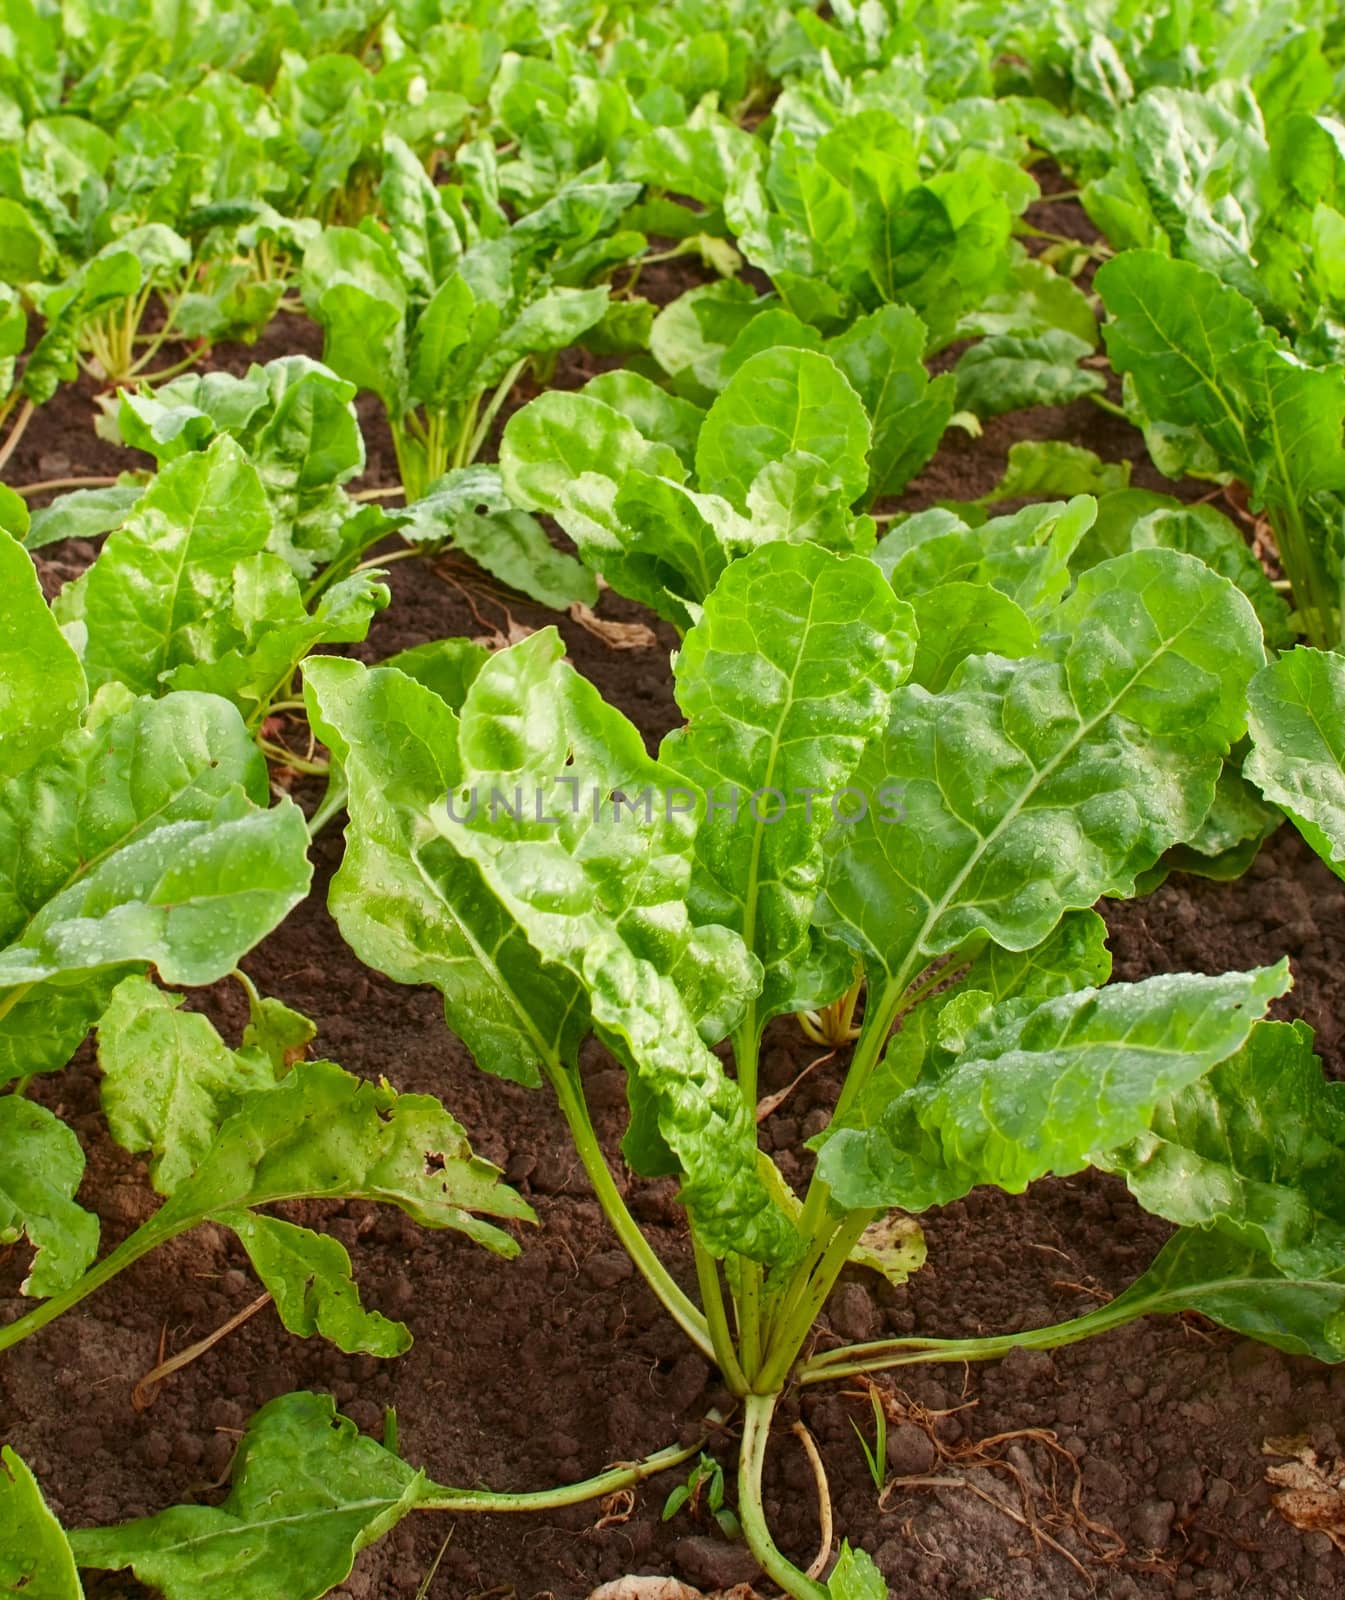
783, 682
406, 903
168, 1078
136, 838
1253, 1151
40, 1171
1032, 1089
1032, 786
602, 896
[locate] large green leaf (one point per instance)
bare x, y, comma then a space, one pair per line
1237, 1285
309, 1493
1010, 372
1253, 1150
42, 686
151, 598
1035, 785
41, 1169
1201, 362
141, 836
783, 682
1025, 1089
405, 902
779, 402
35, 1557
1296, 717
548, 912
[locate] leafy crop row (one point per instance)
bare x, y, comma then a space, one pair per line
1053, 694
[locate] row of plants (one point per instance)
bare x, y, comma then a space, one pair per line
918, 747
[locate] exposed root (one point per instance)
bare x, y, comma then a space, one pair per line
823, 1555
146, 1391
1040, 1509
616, 1509
772, 1102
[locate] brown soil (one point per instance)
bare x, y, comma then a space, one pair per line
543, 1370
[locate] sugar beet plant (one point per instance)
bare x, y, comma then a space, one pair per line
512, 843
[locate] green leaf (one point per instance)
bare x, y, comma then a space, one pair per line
136, 838
427, 243
260, 641
1030, 1089
352, 285
1296, 716
567, 455
309, 1278
1049, 469
1009, 372
1036, 300
1204, 532
1200, 361
779, 402
603, 897
322, 1133
35, 1557
1237, 1286
660, 417
150, 600
83, 514
406, 904
168, 1078
783, 682
469, 508
1253, 1151
538, 919
309, 1493
554, 319
1025, 556
1094, 754
882, 355
958, 620
855, 1577
42, 685
40, 1171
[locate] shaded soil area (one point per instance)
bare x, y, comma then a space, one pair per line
1130, 1467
